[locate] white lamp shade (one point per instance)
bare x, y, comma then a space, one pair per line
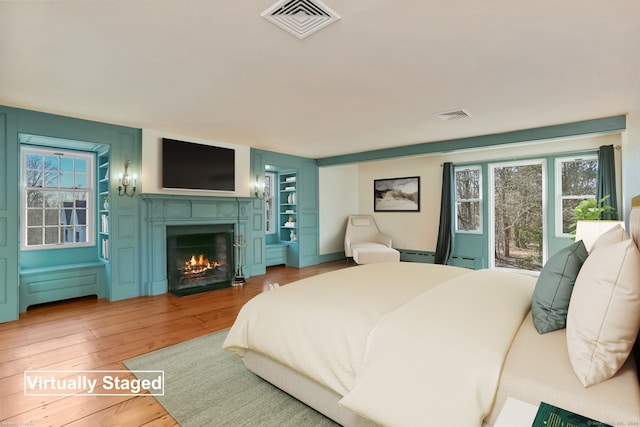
589, 231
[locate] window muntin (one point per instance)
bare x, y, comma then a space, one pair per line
575, 182
57, 198
468, 206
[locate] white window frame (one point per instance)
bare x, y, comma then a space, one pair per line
559, 197
90, 195
480, 230
270, 226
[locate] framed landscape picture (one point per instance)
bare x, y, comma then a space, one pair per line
396, 194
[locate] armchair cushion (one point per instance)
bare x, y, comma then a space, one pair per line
367, 253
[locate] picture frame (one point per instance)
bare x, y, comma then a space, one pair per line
396, 194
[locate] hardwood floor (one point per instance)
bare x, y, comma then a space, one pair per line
94, 334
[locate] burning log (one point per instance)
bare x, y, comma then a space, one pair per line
199, 265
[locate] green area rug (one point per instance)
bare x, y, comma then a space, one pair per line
207, 386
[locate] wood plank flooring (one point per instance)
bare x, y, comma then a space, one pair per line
94, 334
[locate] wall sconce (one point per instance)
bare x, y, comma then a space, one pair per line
259, 188
124, 181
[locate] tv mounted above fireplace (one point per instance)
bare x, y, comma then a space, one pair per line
192, 166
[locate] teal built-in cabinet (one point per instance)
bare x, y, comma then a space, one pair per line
111, 267
296, 241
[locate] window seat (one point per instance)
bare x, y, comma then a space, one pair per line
276, 253
47, 284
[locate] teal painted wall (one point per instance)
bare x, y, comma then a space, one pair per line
122, 274
256, 243
8, 218
307, 251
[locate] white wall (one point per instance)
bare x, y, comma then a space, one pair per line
417, 230
631, 147
338, 192
408, 230
631, 163
152, 165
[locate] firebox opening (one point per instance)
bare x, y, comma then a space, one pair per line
199, 258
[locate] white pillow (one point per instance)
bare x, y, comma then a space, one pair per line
613, 235
604, 312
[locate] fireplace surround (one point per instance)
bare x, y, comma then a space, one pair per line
166, 214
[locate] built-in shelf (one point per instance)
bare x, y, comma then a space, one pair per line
104, 200
288, 212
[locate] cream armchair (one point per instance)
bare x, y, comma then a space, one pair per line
365, 243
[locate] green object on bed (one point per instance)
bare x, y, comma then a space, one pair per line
553, 289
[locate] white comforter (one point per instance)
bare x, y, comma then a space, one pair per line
404, 343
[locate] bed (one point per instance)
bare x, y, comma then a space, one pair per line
405, 344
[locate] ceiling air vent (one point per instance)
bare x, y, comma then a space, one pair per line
452, 115
300, 17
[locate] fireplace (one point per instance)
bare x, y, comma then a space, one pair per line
191, 215
199, 258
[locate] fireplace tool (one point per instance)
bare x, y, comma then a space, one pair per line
239, 244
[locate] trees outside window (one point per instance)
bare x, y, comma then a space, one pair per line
575, 182
517, 220
468, 184
57, 198
518, 205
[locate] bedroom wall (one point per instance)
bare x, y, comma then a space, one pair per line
631, 147
152, 165
418, 231
338, 192
409, 230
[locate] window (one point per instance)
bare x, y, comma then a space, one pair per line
468, 185
516, 214
575, 182
57, 198
269, 206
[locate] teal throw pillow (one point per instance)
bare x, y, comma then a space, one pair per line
553, 289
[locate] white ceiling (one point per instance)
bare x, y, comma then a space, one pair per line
216, 69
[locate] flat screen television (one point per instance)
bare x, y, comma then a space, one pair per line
192, 166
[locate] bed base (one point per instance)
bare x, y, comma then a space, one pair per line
306, 390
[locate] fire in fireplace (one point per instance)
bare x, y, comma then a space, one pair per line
197, 268
199, 258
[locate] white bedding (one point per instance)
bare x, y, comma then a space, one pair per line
341, 330
319, 326
449, 356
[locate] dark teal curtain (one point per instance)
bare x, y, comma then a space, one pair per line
444, 247
606, 179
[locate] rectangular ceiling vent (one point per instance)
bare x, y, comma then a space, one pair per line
452, 115
300, 17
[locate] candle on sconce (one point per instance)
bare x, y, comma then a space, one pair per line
125, 180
